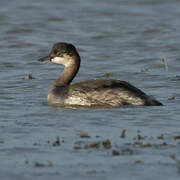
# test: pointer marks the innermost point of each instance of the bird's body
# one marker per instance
(91, 93)
(99, 93)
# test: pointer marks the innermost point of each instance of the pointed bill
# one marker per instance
(47, 58)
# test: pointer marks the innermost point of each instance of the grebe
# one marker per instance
(90, 93)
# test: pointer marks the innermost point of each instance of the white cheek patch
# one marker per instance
(60, 60)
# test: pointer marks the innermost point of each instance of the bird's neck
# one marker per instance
(68, 74)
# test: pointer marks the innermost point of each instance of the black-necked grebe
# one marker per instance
(109, 92)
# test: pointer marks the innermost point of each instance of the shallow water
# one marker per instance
(128, 39)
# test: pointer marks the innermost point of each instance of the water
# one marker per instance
(123, 38)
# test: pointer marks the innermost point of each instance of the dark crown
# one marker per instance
(61, 48)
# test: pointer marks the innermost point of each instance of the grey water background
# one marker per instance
(123, 38)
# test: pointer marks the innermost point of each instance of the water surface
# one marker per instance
(128, 39)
